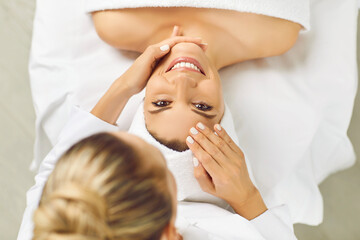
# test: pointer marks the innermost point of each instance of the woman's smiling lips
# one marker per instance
(187, 60)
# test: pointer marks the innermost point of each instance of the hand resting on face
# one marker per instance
(220, 169)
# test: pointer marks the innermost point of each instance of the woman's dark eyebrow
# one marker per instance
(159, 110)
(209, 116)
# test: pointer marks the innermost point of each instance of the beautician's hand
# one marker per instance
(220, 169)
(135, 78)
(138, 74)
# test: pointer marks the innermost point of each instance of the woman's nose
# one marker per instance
(185, 82)
(184, 86)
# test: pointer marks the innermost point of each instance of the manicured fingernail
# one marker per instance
(196, 162)
(205, 44)
(194, 131)
(201, 126)
(190, 140)
(216, 133)
(164, 47)
(218, 127)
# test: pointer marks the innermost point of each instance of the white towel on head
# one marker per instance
(180, 163)
(293, 10)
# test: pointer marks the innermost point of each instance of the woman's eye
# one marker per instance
(202, 106)
(161, 103)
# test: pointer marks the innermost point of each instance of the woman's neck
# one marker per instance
(220, 49)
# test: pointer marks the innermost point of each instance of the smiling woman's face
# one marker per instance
(177, 99)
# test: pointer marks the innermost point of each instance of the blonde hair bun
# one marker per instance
(72, 212)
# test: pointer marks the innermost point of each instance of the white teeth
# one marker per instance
(186, 64)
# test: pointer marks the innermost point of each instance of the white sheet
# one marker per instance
(291, 112)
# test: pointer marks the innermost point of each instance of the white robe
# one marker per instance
(195, 221)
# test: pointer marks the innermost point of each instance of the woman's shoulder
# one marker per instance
(261, 35)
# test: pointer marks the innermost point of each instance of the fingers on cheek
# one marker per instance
(205, 130)
(207, 145)
(226, 138)
(220, 131)
(192, 144)
(196, 143)
(196, 149)
(207, 135)
(220, 143)
(199, 137)
(223, 135)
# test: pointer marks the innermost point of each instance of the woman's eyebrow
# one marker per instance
(159, 110)
(209, 116)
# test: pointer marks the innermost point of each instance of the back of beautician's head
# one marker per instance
(99, 190)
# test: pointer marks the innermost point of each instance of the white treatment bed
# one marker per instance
(291, 112)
